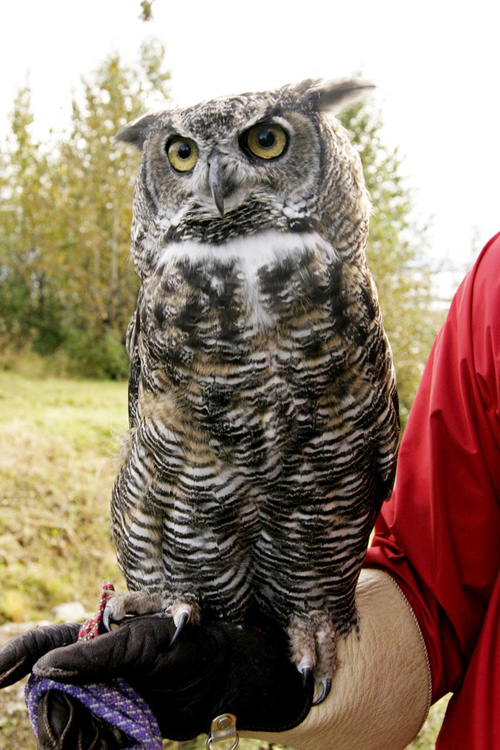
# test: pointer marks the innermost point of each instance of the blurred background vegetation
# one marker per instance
(67, 291)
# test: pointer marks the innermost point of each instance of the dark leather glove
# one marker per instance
(210, 670)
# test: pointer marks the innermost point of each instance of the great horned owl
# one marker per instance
(262, 400)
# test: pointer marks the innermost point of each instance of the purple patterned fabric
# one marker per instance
(115, 703)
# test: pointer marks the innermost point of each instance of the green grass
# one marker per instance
(58, 441)
(57, 444)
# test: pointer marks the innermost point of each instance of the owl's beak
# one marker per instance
(216, 182)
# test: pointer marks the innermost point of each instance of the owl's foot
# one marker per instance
(133, 603)
(313, 642)
(129, 604)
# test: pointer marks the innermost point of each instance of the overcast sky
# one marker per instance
(436, 65)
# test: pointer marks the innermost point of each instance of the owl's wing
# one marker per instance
(386, 476)
(133, 331)
(380, 374)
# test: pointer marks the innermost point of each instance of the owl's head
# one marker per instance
(243, 164)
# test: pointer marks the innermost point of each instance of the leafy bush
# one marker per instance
(94, 356)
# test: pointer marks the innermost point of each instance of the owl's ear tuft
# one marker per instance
(334, 96)
(136, 131)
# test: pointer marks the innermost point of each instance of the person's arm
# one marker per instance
(439, 536)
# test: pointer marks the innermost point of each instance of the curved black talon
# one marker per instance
(327, 686)
(182, 621)
(306, 673)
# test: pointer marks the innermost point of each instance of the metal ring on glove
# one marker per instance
(223, 727)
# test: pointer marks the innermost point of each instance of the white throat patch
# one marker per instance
(251, 254)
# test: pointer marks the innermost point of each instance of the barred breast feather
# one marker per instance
(263, 426)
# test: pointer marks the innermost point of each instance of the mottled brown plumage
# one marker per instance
(263, 408)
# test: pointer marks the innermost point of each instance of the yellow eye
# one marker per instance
(182, 153)
(266, 140)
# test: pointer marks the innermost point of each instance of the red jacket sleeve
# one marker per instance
(439, 535)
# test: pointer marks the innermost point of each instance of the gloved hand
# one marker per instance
(209, 670)
(63, 723)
